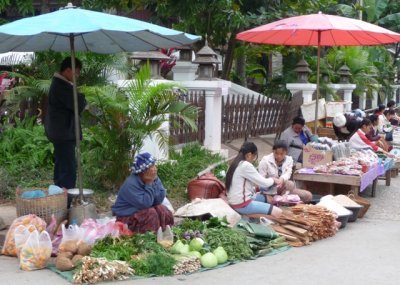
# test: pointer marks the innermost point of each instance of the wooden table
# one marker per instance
(357, 183)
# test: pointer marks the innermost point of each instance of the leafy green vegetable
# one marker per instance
(121, 248)
(159, 264)
(142, 252)
(233, 241)
(216, 222)
(187, 226)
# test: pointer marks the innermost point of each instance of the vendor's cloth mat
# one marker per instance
(68, 275)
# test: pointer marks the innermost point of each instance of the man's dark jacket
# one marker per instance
(59, 121)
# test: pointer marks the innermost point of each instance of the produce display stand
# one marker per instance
(357, 183)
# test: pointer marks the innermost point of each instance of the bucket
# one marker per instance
(74, 193)
(78, 213)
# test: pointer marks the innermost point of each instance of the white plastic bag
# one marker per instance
(73, 232)
(21, 235)
(168, 204)
(36, 251)
(165, 238)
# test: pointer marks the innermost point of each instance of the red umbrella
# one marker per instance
(319, 30)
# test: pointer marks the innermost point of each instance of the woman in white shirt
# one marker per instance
(241, 179)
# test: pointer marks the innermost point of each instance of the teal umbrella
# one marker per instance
(74, 29)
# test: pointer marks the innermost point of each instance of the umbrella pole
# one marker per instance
(76, 114)
(317, 97)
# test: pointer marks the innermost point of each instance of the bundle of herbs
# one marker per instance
(142, 252)
(232, 240)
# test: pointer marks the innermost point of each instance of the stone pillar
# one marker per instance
(374, 99)
(184, 71)
(335, 88)
(395, 88)
(347, 94)
(362, 101)
(306, 89)
(214, 91)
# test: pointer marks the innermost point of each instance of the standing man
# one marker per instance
(60, 124)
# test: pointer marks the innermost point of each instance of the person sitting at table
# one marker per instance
(384, 125)
(279, 165)
(359, 139)
(374, 135)
(379, 110)
(296, 137)
(345, 125)
(391, 105)
(140, 199)
(242, 178)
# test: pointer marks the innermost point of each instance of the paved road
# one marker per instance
(365, 252)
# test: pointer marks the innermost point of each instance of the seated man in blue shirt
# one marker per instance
(140, 198)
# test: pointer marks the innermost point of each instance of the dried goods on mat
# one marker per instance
(186, 264)
(95, 270)
(303, 224)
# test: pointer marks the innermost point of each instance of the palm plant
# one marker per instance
(122, 118)
(361, 67)
(152, 105)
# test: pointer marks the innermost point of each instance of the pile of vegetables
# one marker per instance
(71, 253)
(197, 244)
(212, 241)
(142, 252)
(232, 240)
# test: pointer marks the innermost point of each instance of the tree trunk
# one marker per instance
(229, 57)
(241, 69)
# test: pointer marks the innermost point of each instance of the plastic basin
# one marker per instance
(355, 211)
(343, 220)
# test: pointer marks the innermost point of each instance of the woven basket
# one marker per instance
(361, 201)
(43, 207)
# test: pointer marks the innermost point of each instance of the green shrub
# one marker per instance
(26, 158)
(176, 175)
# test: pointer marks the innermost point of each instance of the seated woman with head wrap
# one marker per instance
(140, 198)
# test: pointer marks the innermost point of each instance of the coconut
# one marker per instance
(69, 246)
(76, 259)
(66, 254)
(84, 249)
(64, 264)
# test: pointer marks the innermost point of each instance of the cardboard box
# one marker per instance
(313, 157)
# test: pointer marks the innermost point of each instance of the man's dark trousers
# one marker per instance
(64, 164)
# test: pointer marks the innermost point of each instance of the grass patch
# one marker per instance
(176, 175)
